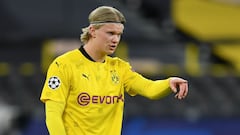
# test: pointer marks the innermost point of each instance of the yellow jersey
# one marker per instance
(93, 92)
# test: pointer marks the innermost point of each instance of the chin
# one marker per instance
(112, 51)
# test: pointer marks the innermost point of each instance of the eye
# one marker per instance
(114, 34)
(120, 34)
(110, 33)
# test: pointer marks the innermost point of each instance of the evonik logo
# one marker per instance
(84, 99)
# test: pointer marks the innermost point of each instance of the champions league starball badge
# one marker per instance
(54, 82)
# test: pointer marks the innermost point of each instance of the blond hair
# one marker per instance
(99, 16)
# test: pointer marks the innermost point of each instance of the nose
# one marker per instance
(116, 38)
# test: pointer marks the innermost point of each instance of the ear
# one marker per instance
(92, 31)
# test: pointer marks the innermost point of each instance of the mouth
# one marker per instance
(113, 47)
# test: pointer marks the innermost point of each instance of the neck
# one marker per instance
(94, 54)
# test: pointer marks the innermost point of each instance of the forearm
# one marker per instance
(54, 118)
(157, 89)
(150, 89)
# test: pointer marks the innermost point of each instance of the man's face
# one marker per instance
(107, 37)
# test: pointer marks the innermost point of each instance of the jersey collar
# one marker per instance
(81, 49)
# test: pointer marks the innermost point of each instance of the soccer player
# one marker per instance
(84, 88)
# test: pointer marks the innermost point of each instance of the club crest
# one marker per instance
(115, 77)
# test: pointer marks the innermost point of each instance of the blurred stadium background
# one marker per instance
(195, 39)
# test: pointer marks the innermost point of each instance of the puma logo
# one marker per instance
(85, 76)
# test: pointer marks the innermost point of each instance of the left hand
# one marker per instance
(179, 86)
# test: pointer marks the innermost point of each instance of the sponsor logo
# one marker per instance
(84, 99)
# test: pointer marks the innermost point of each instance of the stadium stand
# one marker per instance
(150, 37)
